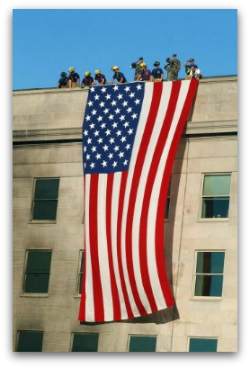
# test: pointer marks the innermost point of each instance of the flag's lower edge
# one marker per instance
(162, 316)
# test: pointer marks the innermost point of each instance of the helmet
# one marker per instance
(156, 63)
(142, 65)
(63, 74)
(97, 71)
(115, 67)
(174, 55)
(71, 69)
(87, 74)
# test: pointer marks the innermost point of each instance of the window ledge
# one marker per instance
(42, 222)
(34, 295)
(206, 298)
(215, 219)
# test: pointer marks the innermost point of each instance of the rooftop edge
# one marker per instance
(53, 89)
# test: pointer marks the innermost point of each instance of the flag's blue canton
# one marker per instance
(109, 127)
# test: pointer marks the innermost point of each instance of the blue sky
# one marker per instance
(46, 42)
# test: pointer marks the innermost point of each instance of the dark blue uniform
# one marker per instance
(157, 73)
(100, 78)
(87, 81)
(74, 76)
(63, 82)
(119, 77)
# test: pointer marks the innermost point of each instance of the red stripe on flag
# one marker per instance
(132, 199)
(93, 225)
(149, 185)
(115, 295)
(159, 234)
(124, 177)
(82, 311)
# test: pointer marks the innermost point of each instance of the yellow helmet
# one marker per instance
(87, 74)
(115, 67)
(71, 69)
(97, 71)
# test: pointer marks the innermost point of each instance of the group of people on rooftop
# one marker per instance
(142, 73)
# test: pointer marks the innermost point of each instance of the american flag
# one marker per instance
(130, 136)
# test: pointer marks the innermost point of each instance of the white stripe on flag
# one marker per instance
(114, 215)
(103, 249)
(89, 282)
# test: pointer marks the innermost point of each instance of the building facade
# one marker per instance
(48, 222)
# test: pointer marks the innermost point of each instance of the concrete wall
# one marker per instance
(209, 146)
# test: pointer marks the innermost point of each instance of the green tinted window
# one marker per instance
(80, 275)
(142, 343)
(215, 207)
(85, 342)
(209, 273)
(46, 188)
(208, 285)
(216, 185)
(45, 199)
(29, 341)
(37, 271)
(202, 345)
(215, 197)
(210, 262)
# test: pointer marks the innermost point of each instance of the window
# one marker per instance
(45, 199)
(85, 342)
(202, 345)
(209, 273)
(29, 341)
(215, 196)
(36, 279)
(167, 209)
(80, 271)
(142, 343)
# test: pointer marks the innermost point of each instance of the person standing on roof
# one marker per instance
(118, 76)
(99, 77)
(63, 81)
(137, 66)
(145, 73)
(172, 67)
(157, 72)
(73, 78)
(88, 80)
(190, 66)
(192, 70)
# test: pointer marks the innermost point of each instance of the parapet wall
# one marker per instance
(56, 113)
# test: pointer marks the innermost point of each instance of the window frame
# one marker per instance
(44, 221)
(26, 330)
(83, 333)
(81, 254)
(35, 294)
(207, 297)
(202, 338)
(214, 219)
(142, 335)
